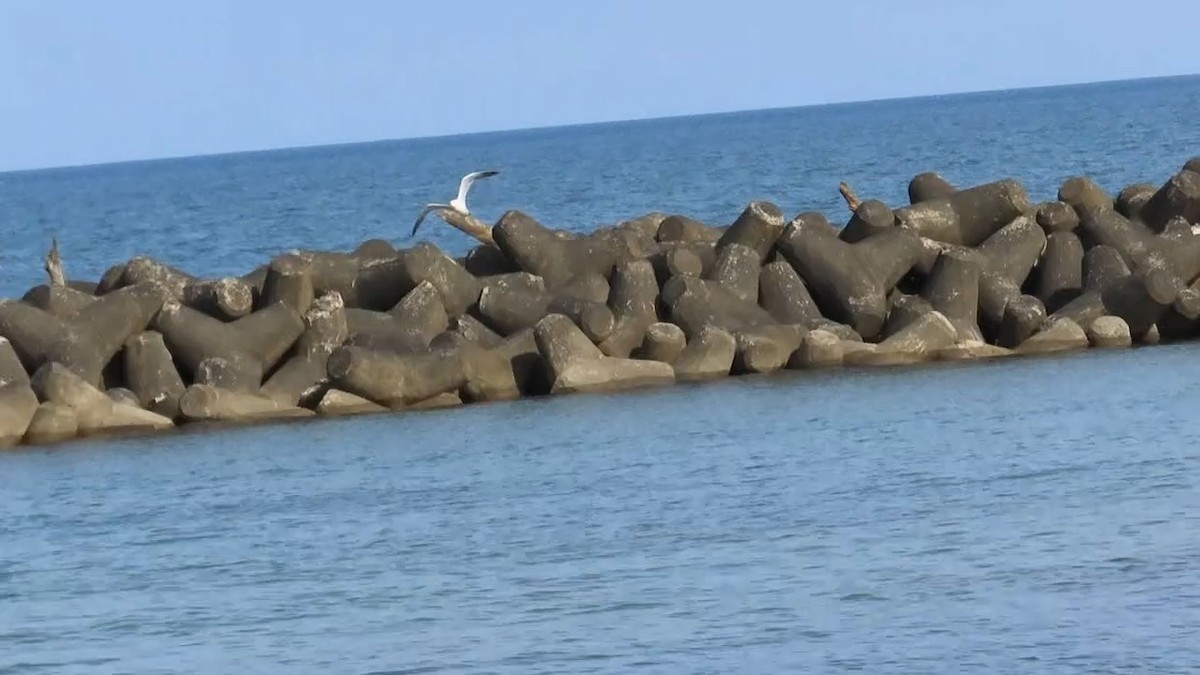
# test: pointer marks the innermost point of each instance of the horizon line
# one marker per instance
(575, 125)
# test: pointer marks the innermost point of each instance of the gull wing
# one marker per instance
(468, 180)
(429, 208)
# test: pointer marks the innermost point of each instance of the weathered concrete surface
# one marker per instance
(205, 403)
(663, 342)
(818, 349)
(919, 341)
(1109, 332)
(706, 356)
(338, 403)
(95, 411)
(576, 365)
(52, 423)
(18, 403)
(1056, 336)
(966, 217)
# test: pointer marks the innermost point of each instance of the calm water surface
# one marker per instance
(1038, 515)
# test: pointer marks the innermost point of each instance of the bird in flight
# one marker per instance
(459, 203)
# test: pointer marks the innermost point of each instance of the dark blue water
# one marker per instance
(1039, 515)
(228, 214)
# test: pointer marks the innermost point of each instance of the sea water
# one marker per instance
(1039, 515)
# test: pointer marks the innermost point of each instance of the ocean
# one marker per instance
(1039, 515)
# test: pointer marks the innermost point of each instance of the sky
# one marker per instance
(85, 82)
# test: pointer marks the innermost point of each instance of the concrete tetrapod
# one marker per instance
(151, 374)
(953, 290)
(512, 302)
(1056, 335)
(206, 403)
(1083, 194)
(86, 342)
(919, 341)
(1140, 297)
(63, 302)
(696, 304)
(904, 309)
(18, 403)
(411, 325)
(425, 262)
(537, 251)
(226, 298)
(766, 349)
(52, 423)
(576, 365)
(707, 355)
(549, 310)
(928, 186)
(633, 299)
(338, 403)
(966, 217)
(870, 218)
(1109, 332)
(96, 413)
(254, 343)
(663, 342)
(289, 280)
(395, 380)
(783, 294)
(680, 228)
(303, 377)
(1179, 196)
(850, 282)
(1133, 198)
(1059, 273)
(674, 261)
(738, 268)
(1057, 217)
(757, 228)
(818, 349)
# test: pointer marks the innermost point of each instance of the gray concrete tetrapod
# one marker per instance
(783, 294)
(1058, 276)
(756, 228)
(1057, 217)
(634, 301)
(513, 302)
(303, 378)
(537, 251)
(289, 280)
(684, 229)
(663, 342)
(695, 304)
(394, 380)
(850, 282)
(86, 342)
(1178, 197)
(737, 268)
(870, 218)
(953, 290)
(575, 364)
(968, 216)
(1133, 198)
(928, 186)
(18, 403)
(151, 374)
(706, 356)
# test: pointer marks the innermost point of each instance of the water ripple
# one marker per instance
(1036, 515)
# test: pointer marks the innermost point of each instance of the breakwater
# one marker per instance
(958, 273)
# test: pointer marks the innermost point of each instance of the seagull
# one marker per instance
(459, 203)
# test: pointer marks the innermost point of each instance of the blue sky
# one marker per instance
(85, 82)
